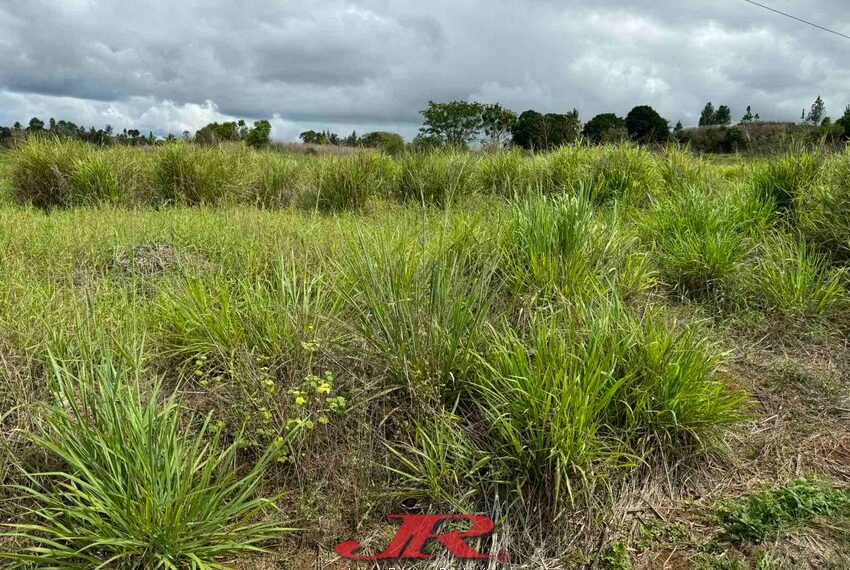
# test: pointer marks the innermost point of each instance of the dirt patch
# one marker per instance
(151, 260)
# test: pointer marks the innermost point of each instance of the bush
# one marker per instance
(567, 169)
(435, 179)
(137, 488)
(589, 386)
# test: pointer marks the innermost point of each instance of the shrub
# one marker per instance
(347, 183)
(43, 169)
(794, 281)
(202, 176)
(824, 210)
(435, 178)
(137, 488)
(95, 181)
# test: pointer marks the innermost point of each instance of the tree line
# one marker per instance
(461, 124)
(258, 135)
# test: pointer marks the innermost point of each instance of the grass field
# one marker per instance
(630, 359)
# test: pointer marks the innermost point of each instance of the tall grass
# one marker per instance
(136, 486)
(783, 179)
(202, 176)
(347, 183)
(824, 209)
(435, 179)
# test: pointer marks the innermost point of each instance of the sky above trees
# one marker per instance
(374, 64)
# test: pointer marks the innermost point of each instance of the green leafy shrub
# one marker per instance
(137, 487)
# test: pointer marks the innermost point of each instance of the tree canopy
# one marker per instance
(645, 125)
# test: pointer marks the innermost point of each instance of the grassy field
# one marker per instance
(629, 359)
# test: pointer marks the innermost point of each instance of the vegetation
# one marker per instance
(577, 342)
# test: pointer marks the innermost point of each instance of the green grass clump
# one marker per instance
(347, 183)
(508, 174)
(700, 242)
(627, 172)
(43, 171)
(278, 181)
(564, 170)
(201, 176)
(417, 312)
(794, 281)
(592, 388)
(137, 487)
(561, 245)
(435, 179)
(782, 180)
(761, 515)
(824, 210)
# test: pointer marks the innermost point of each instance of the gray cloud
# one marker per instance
(365, 64)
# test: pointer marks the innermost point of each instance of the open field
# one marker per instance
(630, 359)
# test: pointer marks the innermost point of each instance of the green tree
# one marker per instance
(313, 137)
(707, 116)
(390, 143)
(259, 135)
(748, 116)
(723, 116)
(535, 131)
(816, 112)
(497, 123)
(35, 125)
(679, 127)
(646, 126)
(600, 128)
(456, 123)
(844, 122)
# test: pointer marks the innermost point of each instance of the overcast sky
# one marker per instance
(169, 66)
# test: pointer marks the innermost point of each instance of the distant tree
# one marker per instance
(601, 127)
(534, 131)
(678, 128)
(456, 123)
(5, 135)
(216, 133)
(313, 137)
(390, 143)
(844, 122)
(707, 116)
(723, 116)
(35, 125)
(497, 123)
(748, 116)
(17, 126)
(425, 143)
(351, 140)
(817, 112)
(259, 135)
(646, 126)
